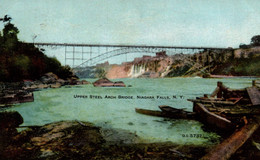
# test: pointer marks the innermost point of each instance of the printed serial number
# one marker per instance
(193, 135)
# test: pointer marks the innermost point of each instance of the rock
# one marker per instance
(61, 81)
(85, 82)
(119, 136)
(81, 140)
(10, 119)
(79, 83)
(49, 78)
(104, 82)
(43, 86)
(63, 140)
(56, 85)
(73, 81)
(8, 123)
(18, 96)
(28, 83)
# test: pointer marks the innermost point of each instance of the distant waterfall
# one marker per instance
(137, 70)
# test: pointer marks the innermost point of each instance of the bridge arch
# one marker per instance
(77, 52)
(126, 50)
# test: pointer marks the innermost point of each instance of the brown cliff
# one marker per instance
(229, 62)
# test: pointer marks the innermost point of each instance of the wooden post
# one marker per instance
(253, 83)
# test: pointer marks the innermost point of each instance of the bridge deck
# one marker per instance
(123, 45)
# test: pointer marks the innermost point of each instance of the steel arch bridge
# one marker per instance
(83, 55)
(121, 51)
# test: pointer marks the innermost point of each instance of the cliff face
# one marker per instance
(162, 65)
(239, 62)
(118, 71)
(146, 67)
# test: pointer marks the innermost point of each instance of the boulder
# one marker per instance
(28, 83)
(56, 85)
(61, 81)
(49, 78)
(10, 119)
(104, 82)
(85, 82)
(73, 81)
(59, 140)
(43, 86)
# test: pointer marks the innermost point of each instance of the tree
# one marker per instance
(10, 31)
(6, 19)
(244, 46)
(9, 38)
(100, 73)
(255, 41)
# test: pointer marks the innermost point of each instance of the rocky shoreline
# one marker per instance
(20, 92)
(82, 140)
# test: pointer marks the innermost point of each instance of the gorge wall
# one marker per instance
(238, 62)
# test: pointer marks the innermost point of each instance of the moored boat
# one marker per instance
(168, 112)
(210, 118)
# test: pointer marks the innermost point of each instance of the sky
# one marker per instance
(211, 23)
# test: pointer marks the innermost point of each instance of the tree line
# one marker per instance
(20, 61)
(255, 41)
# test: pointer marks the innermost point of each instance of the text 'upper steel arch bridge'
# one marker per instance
(81, 55)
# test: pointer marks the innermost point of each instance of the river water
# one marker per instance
(85, 103)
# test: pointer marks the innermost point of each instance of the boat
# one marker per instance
(227, 111)
(169, 109)
(235, 111)
(178, 113)
(227, 108)
(167, 112)
(239, 110)
(212, 119)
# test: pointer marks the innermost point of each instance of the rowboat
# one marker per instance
(167, 112)
(212, 119)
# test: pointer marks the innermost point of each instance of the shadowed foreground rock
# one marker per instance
(82, 140)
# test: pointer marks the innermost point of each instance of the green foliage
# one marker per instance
(100, 73)
(178, 70)
(248, 67)
(64, 72)
(244, 46)
(255, 40)
(52, 64)
(19, 67)
(239, 66)
(20, 61)
(10, 39)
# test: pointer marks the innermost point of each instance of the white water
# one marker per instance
(136, 71)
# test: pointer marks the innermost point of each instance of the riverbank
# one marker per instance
(83, 140)
(228, 76)
(21, 92)
(55, 105)
(78, 139)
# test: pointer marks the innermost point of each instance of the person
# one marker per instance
(221, 91)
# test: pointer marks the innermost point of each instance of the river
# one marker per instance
(104, 107)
